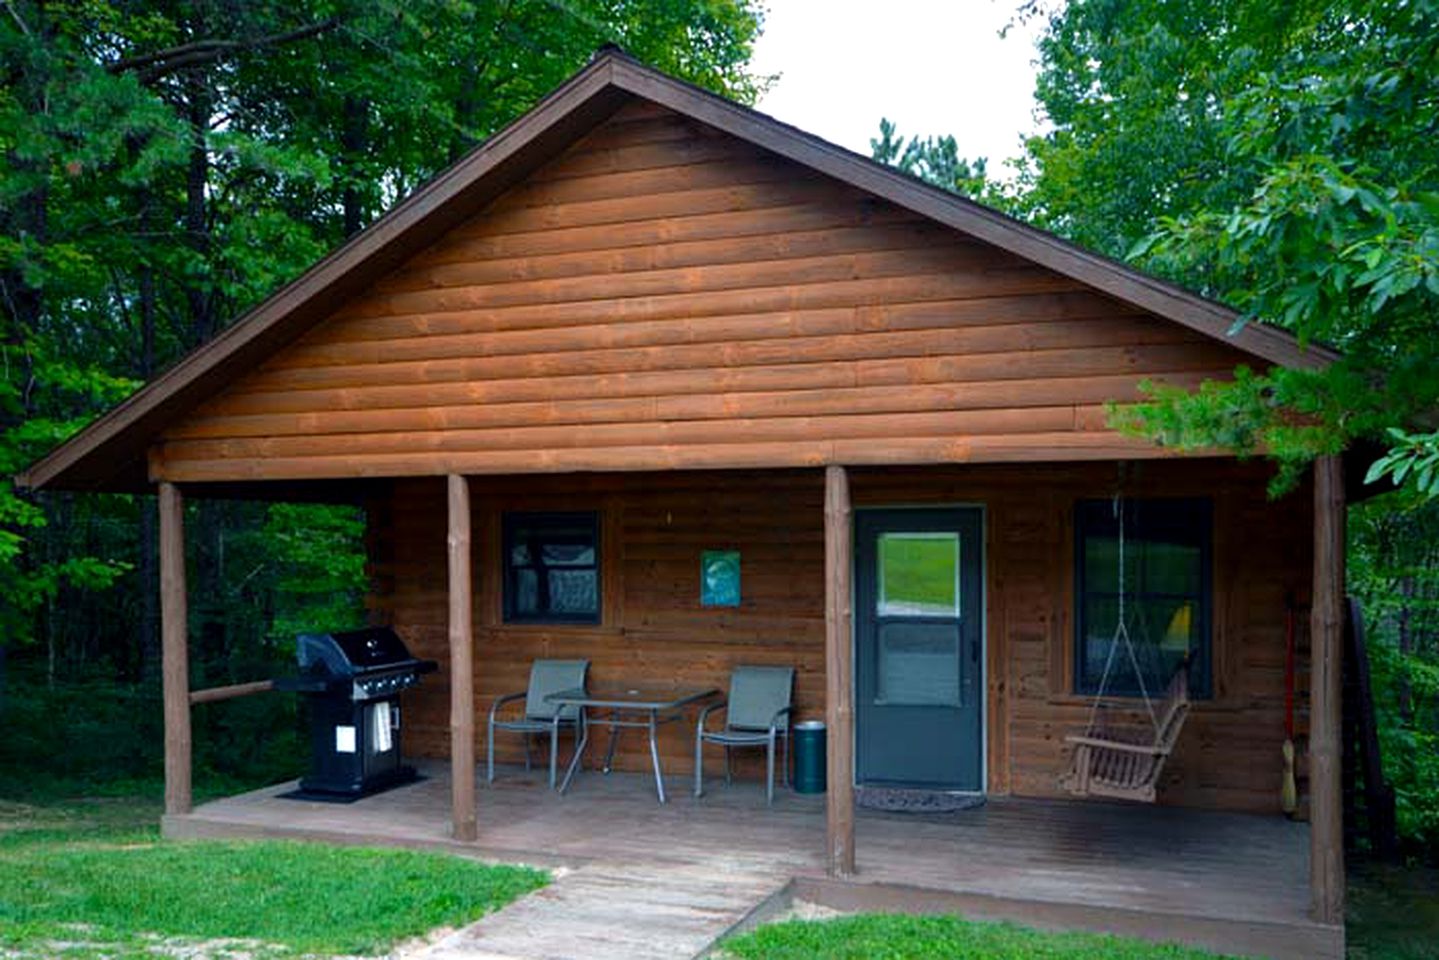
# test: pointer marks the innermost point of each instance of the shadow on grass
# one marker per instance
(1393, 912)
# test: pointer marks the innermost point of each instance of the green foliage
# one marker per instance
(321, 569)
(1394, 571)
(87, 734)
(1414, 456)
(1280, 158)
(935, 160)
(1392, 912)
(28, 583)
(903, 937)
(164, 166)
(114, 894)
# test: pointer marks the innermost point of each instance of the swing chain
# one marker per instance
(1121, 632)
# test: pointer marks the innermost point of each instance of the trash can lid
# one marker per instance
(810, 725)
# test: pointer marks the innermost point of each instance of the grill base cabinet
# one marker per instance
(351, 683)
(347, 756)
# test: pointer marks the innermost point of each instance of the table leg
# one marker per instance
(610, 750)
(655, 754)
(579, 752)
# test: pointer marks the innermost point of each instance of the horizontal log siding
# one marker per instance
(654, 630)
(664, 296)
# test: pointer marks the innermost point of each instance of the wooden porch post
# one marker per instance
(462, 676)
(839, 675)
(174, 650)
(1326, 625)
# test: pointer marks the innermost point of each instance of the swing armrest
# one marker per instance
(1146, 749)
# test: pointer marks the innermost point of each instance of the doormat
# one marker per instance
(898, 800)
(404, 778)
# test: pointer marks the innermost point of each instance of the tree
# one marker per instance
(934, 160)
(166, 164)
(1278, 157)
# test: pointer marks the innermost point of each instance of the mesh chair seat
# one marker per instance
(540, 714)
(738, 738)
(525, 725)
(757, 714)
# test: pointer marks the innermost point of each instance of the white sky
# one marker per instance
(931, 66)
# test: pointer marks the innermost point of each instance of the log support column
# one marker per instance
(174, 650)
(462, 675)
(1326, 626)
(839, 672)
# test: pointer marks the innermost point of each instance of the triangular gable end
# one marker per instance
(743, 150)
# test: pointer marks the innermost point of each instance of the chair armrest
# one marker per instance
(1148, 750)
(704, 714)
(774, 723)
(501, 701)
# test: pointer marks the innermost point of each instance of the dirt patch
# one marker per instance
(807, 910)
(81, 940)
(23, 816)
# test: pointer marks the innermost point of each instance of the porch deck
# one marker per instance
(1229, 881)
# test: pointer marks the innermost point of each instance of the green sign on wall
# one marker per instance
(719, 578)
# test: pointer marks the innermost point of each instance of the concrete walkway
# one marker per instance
(613, 911)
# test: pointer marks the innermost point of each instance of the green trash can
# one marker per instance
(809, 757)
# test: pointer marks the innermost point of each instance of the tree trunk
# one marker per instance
(353, 140)
(1406, 646)
(148, 570)
(198, 293)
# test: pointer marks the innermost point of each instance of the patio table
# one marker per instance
(654, 706)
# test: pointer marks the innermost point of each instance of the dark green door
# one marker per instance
(918, 671)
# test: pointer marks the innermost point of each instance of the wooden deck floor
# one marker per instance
(1230, 881)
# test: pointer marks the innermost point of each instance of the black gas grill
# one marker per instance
(352, 682)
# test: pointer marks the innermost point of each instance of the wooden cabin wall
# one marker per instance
(653, 630)
(656, 632)
(663, 295)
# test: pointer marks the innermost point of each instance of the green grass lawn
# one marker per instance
(90, 880)
(1393, 915)
(903, 937)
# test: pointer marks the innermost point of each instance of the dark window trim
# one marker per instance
(1188, 514)
(509, 523)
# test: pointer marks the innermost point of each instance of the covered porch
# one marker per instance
(1229, 881)
(1213, 864)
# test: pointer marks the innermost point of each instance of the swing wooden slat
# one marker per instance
(1125, 763)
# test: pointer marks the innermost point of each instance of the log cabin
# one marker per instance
(667, 327)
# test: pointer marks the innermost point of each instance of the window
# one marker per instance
(1166, 593)
(552, 568)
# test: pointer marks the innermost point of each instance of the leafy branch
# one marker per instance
(149, 67)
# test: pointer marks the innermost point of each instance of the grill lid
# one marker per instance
(352, 653)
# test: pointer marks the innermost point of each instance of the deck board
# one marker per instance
(1213, 868)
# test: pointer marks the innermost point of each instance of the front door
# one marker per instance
(918, 621)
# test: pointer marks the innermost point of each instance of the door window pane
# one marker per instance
(919, 664)
(918, 575)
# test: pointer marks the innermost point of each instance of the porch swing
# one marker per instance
(1121, 762)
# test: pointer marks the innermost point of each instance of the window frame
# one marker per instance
(1192, 515)
(510, 523)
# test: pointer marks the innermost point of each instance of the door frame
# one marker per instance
(983, 510)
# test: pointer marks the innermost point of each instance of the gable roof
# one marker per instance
(110, 453)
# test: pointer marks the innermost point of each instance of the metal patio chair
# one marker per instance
(539, 715)
(757, 713)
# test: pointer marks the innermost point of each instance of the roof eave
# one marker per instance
(109, 453)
